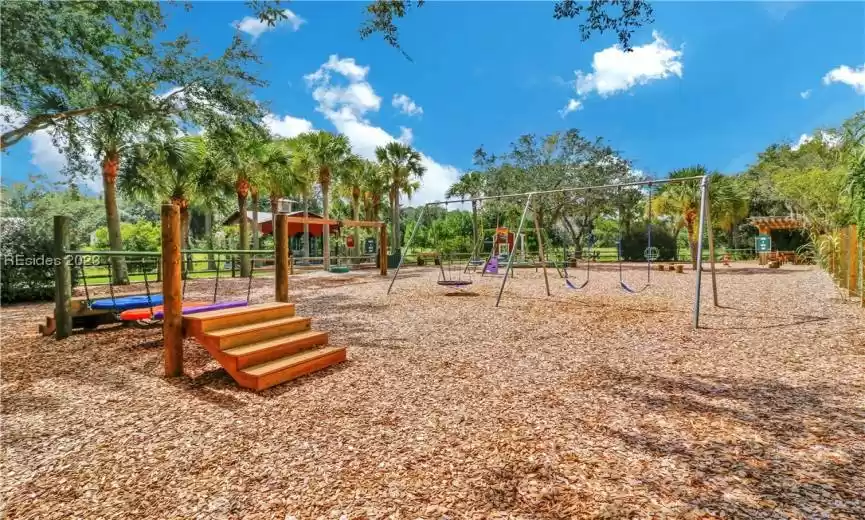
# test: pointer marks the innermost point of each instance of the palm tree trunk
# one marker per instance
(208, 231)
(184, 235)
(394, 216)
(274, 206)
(306, 228)
(325, 195)
(110, 164)
(355, 214)
(474, 225)
(692, 243)
(255, 230)
(243, 226)
(376, 207)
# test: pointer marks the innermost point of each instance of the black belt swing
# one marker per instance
(648, 253)
(568, 282)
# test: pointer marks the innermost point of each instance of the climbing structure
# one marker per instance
(262, 345)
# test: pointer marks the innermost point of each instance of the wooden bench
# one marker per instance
(423, 257)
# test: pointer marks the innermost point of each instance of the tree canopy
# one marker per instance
(622, 17)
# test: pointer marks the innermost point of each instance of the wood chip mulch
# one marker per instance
(586, 404)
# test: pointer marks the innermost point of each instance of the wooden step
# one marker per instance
(290, 367)
(223, 339)
(199, 323)
(275, 348)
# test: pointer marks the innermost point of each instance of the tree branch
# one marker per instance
(43, 121)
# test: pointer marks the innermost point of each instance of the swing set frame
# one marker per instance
(702, 229)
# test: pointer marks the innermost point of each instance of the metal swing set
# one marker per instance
(704, 228)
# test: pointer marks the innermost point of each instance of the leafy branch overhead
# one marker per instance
(596, 16)
(68, 53)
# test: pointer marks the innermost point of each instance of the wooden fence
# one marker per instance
(847, 261)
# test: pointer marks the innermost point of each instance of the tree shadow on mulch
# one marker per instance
(780, 321)
(799, 451)
(720, 270)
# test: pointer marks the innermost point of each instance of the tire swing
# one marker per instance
(453, 278)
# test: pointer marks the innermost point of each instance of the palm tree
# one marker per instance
(473, 185)
(240, 149)
(327, 155)
(283, 176)
(729, 204)
(181, 171)
(681, 201)
(351, 184)
(852, 150)
(111, 133)
(403, 167)
(375, 188)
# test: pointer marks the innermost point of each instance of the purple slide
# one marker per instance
(492, 266)
(204, 308)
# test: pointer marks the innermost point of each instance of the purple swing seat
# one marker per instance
(204, 308)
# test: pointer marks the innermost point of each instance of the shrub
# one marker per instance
(140, 236)
(634, 243)
(27, 270)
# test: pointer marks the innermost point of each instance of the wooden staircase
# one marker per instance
(262, 345)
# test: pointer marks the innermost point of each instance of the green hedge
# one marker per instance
(635, 242)
(27, 270)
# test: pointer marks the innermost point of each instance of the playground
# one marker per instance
(593, 404)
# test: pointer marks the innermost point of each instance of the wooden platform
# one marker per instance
(82, 316)
(262, 345)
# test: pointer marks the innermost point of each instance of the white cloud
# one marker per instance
(287, 126)
(573, 105)
(44, 155)
(254, 27)
(805, 94)
(829, 138)
(847, 75)
(406, 136)
(406, 105)
(346, 67)
(347, 106)
(614, 70)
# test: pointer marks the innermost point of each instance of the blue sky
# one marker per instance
(708, 83)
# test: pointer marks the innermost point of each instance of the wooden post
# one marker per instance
(282, 259)
(62, 279)
(172, 324)
(762, 258)
(382, 249)
(852, 261)
(540, 252)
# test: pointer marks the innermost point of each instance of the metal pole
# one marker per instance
(574, 188)
(541, 255)
(511, 253)
(407, 246)
(711, 244)
(699, 263)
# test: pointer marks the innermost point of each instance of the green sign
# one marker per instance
(763, 243)
(369, 246)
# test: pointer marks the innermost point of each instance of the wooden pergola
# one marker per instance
(765, 225)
